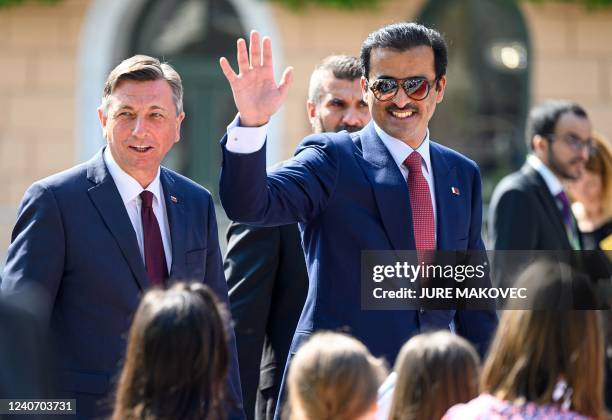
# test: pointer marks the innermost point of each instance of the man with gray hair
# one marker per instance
(90, 240)
(265, 266)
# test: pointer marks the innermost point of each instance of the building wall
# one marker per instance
(39, 45)
(572, 58)
(572, 55)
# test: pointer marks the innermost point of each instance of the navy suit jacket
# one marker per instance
(74, 262)
(348, 195)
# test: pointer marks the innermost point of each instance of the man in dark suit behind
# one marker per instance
(530, 208)
(386, 187)
(265, 267)
(88, 241)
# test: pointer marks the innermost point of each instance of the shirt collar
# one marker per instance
(128, 187)
(552, 182)
(400, 150)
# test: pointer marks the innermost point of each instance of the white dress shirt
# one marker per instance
(552, 182)
(400, 152)
(251, 139)
(130, 190)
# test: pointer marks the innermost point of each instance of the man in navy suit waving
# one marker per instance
(386, 187)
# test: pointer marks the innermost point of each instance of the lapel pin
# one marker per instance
(455, 190)
(173, 199)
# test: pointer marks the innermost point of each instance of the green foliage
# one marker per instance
(336, 4)
(361, 4)
(345, 4)
(7, 3)
(589, 4)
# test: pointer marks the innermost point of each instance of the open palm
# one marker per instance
(256, 93)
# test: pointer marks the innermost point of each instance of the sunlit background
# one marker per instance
(504, 57)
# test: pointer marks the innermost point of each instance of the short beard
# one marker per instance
(349, 128)
(559, 168)
(319, 127)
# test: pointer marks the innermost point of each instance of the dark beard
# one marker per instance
(349, 128)
(558, 168)
(320, 127)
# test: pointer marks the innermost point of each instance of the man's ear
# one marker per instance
(439, 88)
(311, 110)
(363, 82)
(179, 120)
(103, 119)
(540, 144)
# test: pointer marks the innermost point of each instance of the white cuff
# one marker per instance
(245, 139)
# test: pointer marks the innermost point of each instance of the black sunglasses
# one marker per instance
(416, 88)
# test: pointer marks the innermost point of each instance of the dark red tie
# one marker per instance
(155, 258)
(420, 203)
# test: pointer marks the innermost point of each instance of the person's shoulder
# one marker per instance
(479, 406)
(70, 180)
(453, 157)
(516, 182)
(185, 185)
(341, 139)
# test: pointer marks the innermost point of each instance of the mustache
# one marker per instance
(408, 107)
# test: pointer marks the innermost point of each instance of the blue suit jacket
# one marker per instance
(74, 262)
(349, 195)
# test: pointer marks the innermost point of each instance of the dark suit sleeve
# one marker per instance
(477, 326)
(513, 227)
(35, 261)
(215, 279)
(251, 265)
(296, 192)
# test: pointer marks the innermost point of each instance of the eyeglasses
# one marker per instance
(574, 142)
(416, 88)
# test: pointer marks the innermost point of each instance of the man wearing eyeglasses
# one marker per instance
(530, 209)
(386, 187)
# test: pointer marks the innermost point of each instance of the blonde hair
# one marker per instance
(333, 377)
(600, 163)
(534, 349)
(434, 372)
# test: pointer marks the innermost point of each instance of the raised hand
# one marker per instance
(256, 94)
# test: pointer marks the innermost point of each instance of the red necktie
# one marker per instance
(155, 258)
(420, 203)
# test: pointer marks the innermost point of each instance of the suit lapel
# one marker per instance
(108, 202)
(175, 208)
(548, 201)
(445, 178)
(389, 187)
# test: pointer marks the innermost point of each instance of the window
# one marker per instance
(191, 35)
(487, 93)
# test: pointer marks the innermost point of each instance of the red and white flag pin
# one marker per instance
(173, 199)
(455, 190)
